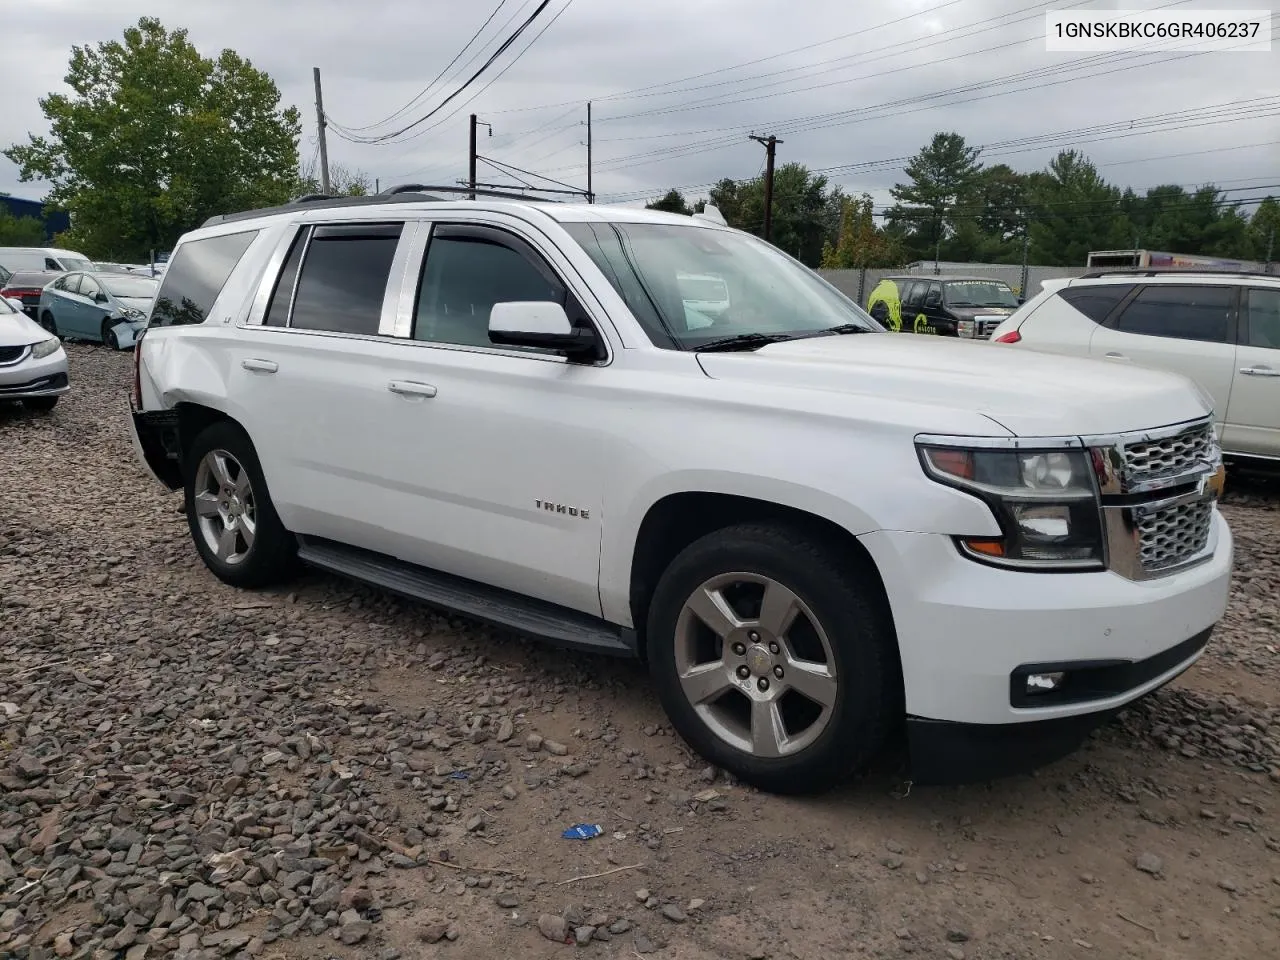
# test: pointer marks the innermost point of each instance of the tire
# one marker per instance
(40, 404)
(233, 524)
(50, 324)
(836, 619)
(109, 337)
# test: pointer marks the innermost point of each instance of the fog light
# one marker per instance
(1044, 682)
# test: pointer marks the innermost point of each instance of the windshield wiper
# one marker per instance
(847, 328)
(743, 341)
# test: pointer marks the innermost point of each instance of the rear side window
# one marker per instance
(1262, 315)
(1096, 302)
(344, 278)
(1181, 312)
(196, 276)
(277, 314)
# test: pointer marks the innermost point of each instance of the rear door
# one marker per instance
(913, 316)
(1253, 417)
(1185, 328)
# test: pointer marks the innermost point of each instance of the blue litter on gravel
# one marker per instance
(583, 831)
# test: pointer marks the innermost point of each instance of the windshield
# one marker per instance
(141, 288)
(689, 286)
(980, 293)
(77, 263)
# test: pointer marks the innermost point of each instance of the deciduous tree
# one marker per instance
(154, 137)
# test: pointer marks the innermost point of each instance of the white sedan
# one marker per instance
(33, 365)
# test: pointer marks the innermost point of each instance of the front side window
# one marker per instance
(1262, 318)
(1181, 312)
(343, 281)
(467, 271)
(196, 276)
(89, 287)
(980, 293)
(915, 295)
(758, 291)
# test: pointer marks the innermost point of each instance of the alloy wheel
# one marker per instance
(224, 506)
(755, 664)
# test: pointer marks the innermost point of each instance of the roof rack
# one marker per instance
(402, 193)
(1164, 271)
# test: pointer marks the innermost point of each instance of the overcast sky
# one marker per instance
(377, 55)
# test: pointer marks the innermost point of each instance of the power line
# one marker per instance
(427, 89)
(485, 66)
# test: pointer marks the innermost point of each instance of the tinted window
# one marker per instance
(463, 278)
(277, 314)
(344, 278)
(196, 277)
(1096, 302)
(1185, 313)
(1262, 315)
(933, 296)
(51, 264)
(914, 296)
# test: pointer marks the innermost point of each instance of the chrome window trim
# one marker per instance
(270, 273)
(998, 443)
(407, 300)
(393, 293)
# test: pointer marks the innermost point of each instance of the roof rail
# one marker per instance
(1165, 271)
(422, 187)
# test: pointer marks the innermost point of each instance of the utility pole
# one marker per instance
(471, 161)
(1026, 247)
(377, 185)
(591, 197)
(1271, 241)
(324, 147)
(770, 145)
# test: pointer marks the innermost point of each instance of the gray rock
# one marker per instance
(620, 926)
(554, 928)
(507, 901)
(674, 913)
(1149, 863)
(583, 935)
(643, 945)
(354, 931)
(555, 748)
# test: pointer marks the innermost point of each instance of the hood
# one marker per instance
(17, 330)
(136, 303)
(1030, 394)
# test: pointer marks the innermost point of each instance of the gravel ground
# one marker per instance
(326, 771)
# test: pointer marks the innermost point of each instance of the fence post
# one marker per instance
(862, 285)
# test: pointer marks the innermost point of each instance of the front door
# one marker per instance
(1186, 328)
(493, 457)
(1253, 417)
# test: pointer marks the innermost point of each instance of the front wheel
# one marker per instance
(109, 335)
(47, 321)
(234, 526)
(773, 659)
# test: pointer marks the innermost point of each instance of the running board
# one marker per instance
(503, 608)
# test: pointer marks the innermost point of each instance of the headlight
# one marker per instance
(1045, 501)
(132, 314)
(45, 348)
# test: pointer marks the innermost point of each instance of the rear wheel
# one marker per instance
(40, 404)
(47, 321)
(773, 658)
(233, 524)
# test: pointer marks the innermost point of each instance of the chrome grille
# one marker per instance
(1146, 460)
(11, 355)
(1169, 538)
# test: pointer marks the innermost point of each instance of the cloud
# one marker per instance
(651, 133)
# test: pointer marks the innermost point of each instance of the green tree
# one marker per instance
(343, 181)
(929, 207)
(20, 231)
(1073, 211)
(806, 210)
(860, 243)
(156, 137)
(672, 202)
(1263, 235)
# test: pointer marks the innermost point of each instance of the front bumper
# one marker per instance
(969, 633)
(45, 377)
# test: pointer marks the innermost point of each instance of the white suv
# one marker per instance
(1222, 330)
(514, 410)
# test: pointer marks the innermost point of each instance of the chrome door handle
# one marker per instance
(411, 388)
(260, 366)
(1260, 372)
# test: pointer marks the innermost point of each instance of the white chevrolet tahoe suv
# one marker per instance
(811, 530)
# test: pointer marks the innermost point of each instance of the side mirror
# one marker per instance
(99, 297)
(1021, 301)
(532, 323)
